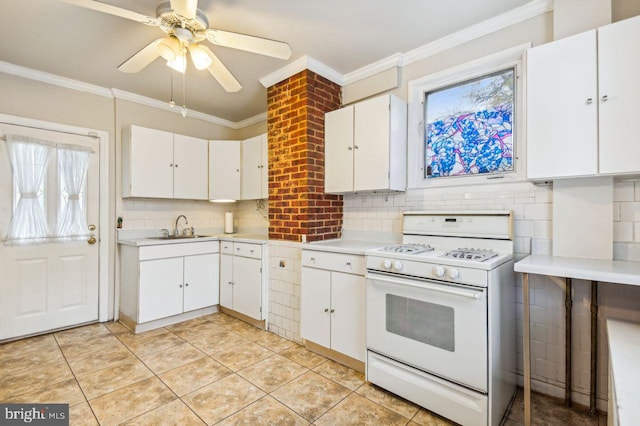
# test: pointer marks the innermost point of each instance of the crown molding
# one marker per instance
(258, 118)
(154, 103)
(497, 23)
(56, 80)
(384, 64)
(491, 25)
(303, 63)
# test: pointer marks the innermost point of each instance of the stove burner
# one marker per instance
(476, 255)
(408, 248)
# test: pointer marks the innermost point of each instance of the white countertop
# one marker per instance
(137, 240)
(611, 271)
(344, 246)
(624, 355)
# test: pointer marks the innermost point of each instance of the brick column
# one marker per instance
(298, 205)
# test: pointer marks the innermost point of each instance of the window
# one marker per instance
(466, 122)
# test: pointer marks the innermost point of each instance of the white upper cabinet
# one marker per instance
(619, 85)
(582, 98)
(562, 108)
(338, 150)
(224, 170)
(366, 146)
(157, 164)
(147, 163)
(255, 168)
(191, 168)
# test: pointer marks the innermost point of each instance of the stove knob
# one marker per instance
(439, 271)
(454, 274)
(386, 264)
(397, 265)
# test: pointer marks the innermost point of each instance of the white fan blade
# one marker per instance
(185, 8)
(113, 10)
(221, 73)
(141, 59)
(262, 46)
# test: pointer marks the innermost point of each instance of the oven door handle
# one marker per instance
(435, 287)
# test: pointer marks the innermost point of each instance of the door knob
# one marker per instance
(92, 240)
(92, 227)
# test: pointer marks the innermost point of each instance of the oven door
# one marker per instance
(437, 327)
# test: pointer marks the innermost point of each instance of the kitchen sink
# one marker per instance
(178, 237)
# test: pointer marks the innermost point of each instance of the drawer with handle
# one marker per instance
(349, 263)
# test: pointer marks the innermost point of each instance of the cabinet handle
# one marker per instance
(176, 165)
(589, 101)
(186, 284)
(313, 259)
(180, 286)
(171, 165)
(332, 311)
(350, 148)
(348, 263)
(605, 98)
(355, 147)
(326, 309)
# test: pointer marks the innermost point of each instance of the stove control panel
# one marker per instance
(458, 274)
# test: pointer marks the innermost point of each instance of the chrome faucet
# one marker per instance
(186, 222)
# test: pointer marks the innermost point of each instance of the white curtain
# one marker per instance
(28, 158)
(72, 171)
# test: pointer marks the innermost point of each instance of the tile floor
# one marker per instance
(214, 370)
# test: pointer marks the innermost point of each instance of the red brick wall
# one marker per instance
(295, 123)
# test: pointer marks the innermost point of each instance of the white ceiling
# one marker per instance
(345, 35)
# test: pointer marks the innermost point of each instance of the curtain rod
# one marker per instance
(89, 134)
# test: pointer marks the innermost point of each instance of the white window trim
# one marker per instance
(510, 58)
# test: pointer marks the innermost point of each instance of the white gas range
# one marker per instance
(441, 314)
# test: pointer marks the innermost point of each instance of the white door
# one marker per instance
(371, 144)
(226, 280)
(338, 150)
(161, 288)
(47, 286)
(562, 108)
(315, 305)
(247, 285)
(224, 170)
(251, 170)
(348, 315)
(201, 277)
(191, 168)
(619, 103)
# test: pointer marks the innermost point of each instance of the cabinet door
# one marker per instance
(150, 163)
(562, 108)
(160, 288)
(371, 144)
(201, 281)
(338, 150)
(619, 103)
(224, 170)
(226, 281)
(247, 286)
(251, 168)
(264, 166)
(191, 168)
(348, 327)
(315, 304)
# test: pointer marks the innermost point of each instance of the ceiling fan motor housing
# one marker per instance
(187, 30)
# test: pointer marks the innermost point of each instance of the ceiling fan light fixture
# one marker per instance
(168, 48)
(199, 56)
(179, 63)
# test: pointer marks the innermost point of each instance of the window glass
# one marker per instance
(469, 127)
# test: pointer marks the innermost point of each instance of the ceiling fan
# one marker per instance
(186, 26)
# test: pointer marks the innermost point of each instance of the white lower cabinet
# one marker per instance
(242, 282)
(163, 281)
(333, 302)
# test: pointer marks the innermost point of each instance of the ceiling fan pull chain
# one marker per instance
(184, 93)
(172, 103)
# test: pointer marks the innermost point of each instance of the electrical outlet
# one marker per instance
(282, 263)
